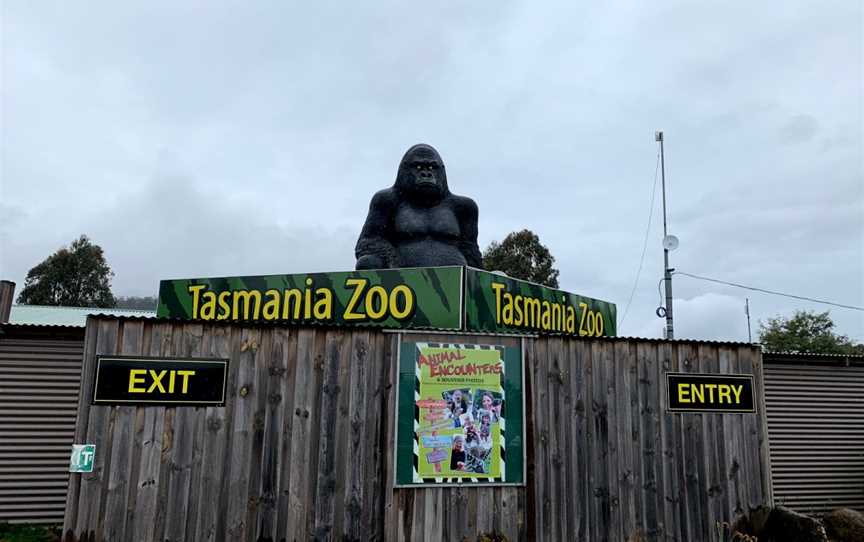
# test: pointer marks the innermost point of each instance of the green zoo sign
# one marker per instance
(441, 298)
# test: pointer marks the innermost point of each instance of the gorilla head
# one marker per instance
(421, 177)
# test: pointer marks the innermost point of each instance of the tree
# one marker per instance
(522, 256)
(805, 331)
(77, 276)
(146, 303)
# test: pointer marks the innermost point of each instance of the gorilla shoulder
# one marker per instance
(386, 199)
(464, 206)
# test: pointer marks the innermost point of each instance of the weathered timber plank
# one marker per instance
(186, 344)
(539, 367)
(210, 521)
(131, 336)
(613, 460)
(624, 439)
(379, 417)
(357, 454)
(199, 436)
(272, 446)
(260, 398)
(70, 517)
(98, 433)
(304, 392)
(244, 351)
(599, 442)
(554, 453)
(342, 439)
(669, 449)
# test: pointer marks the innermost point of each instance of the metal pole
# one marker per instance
(667, 272)
(747, 310)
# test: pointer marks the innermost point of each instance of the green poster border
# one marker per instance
(514, 416)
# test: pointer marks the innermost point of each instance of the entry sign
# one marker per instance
(160, 381)
(688, 392)
(82, 458)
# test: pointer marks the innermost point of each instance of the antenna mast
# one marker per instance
(667, 271)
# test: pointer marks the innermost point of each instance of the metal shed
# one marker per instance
(41, 350)
(815, 408)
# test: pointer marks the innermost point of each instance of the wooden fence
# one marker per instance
(303, 448)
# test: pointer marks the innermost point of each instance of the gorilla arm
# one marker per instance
(373, 250)
(467, 213)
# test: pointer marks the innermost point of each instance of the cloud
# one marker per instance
(799, 129)
(217, 140)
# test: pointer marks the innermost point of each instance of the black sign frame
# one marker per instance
(155, 361)
(734, 377)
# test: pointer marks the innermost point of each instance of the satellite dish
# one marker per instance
(670, 242)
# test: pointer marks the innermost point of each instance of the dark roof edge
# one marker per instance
(813, 358)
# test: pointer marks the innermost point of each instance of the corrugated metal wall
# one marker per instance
(39, 379)
(815, 408)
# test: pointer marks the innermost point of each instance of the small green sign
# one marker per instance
(421, 298)
(500, 304)
(82, 458)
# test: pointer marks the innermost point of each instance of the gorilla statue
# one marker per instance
(418, 222)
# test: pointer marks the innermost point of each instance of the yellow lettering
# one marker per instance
(195, 290)
(185, 375)
(532, 310)
(208, 309)
(379, 312)
(556, 317)
(224, 307)
(517, 306)
(171, 376)
(710, 392)
(507, 312)
(737, 391)
(546, 321)
(292, 296)
(697, 391)
(682, 393)
(271, 306)
(157, 381)
(359, 285)
(584, 309)
(324, 306)
(247, 297)
(497, 287)
(307, 305)
(407, 305)
(571, 320)
(133, 379)
(724, 391)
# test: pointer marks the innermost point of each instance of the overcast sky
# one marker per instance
(215, 138)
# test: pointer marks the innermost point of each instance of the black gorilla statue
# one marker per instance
(418, 222)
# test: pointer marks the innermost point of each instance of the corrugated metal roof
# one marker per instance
(42, 315)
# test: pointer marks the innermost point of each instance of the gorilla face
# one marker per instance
(421, 175)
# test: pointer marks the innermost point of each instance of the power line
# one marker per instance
(763, 290)
(645, 242)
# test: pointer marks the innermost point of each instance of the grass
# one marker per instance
(29, 533)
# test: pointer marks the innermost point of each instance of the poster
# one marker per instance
(460, 414)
